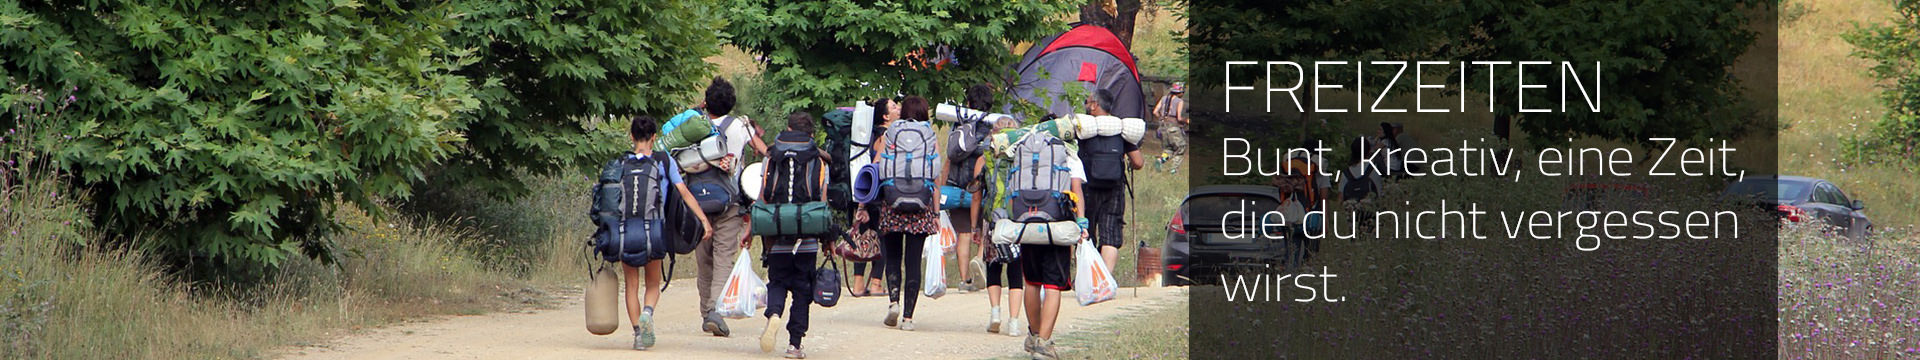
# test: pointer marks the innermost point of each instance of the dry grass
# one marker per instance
(1826, 97)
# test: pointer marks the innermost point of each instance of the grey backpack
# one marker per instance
(907, 167)
(1039, 179)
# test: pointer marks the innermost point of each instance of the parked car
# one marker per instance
(1798, 198)
(1198, 248)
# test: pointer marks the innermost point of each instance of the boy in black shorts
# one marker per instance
(1048, 269)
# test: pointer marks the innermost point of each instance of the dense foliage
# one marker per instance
(1895, 50)
(825, 54)
(227, 130)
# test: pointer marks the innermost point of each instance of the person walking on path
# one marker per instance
(730, 224)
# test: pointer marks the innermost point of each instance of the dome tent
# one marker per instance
(1085, 55)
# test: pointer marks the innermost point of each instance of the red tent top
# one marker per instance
(1094, 37)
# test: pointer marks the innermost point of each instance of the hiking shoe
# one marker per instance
(715, 325)
(993, 321)
(767, 336)
(893, 315)
(793, 352)
(643, 333)
(1016, 327)
(1043, 350)
(906, 324)
(979, 269)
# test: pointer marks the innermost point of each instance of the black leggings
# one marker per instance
(875, 272)
(1013, 275)
(903, 259)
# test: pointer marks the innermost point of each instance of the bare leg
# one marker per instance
(1111, 255)
(1014, 301)
(966, 249)
(633, 292)
(993, 298)
(654, 272)
(1033, 309)
(1049, 311)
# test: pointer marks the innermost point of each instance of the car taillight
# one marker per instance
(1178, 226)
(1174, 267)
(1792, 213)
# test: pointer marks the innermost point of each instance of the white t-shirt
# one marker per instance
(1075, 170)
(738, 134)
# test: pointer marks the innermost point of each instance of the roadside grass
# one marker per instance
(1156, 331)
(62, 300)
(1826, 97)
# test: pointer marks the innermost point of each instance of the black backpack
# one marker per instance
(1105, 159)
(1355, 188)
(715, 188)
(793, 170)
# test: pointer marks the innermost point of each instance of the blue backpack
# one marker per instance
(628, 211)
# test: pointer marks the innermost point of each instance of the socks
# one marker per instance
(646, 310)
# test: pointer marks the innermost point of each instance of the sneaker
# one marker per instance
(793, 352)
(979, 268)
(715, 325)
(1043, 350)
(906, 324)
(993, 321)
(965, 287)
(643, 334)
(1030, 343)
(767, 336)
(893, 315)
(1016, 327)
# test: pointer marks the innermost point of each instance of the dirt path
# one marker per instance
(951, 327)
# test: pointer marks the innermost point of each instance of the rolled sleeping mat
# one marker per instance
(954, 197)
(685, 133)
(696, 158)
(603, 301)
(866, 184)
(1133, 129)
(1058, 233)
(750, 179)
(808, 218)
(955, 113)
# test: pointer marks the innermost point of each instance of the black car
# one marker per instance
(1198, 247)
(1797, 198)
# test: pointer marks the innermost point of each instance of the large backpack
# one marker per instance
(965, 143)
(839, 145)
(793, 170)
(1105, 158)
(628, 206)
(907, 167)
(715, 188)
(1038, 180)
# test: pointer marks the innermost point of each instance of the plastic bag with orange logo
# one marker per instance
(745, 293)
(1092, 278)
(948, 237)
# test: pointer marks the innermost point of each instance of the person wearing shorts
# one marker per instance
(1045, 271)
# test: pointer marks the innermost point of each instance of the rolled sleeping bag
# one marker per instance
(866, 184)
(697, 158)
(953, 197)
(603, 301)
(1058, 233)
(954, 113)
(1131, 129)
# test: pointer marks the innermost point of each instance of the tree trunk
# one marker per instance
(1122, 26)
(1094, 13)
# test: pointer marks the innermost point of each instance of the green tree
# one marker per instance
(1895, 50)
(229, 130)
(823, 54)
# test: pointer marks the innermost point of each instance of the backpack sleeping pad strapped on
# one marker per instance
(790, 202)
(714, 188)
(1039, 212)
(628, 206)
(907, 167)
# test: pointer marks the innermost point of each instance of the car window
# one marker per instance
(1207, 210)
(1840, 197)
(1825, 193)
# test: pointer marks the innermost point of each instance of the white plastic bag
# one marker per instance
(745, 293)
(933, 282)
(948, 237)
(1092, 279)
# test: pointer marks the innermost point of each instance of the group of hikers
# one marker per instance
(1028, 195)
